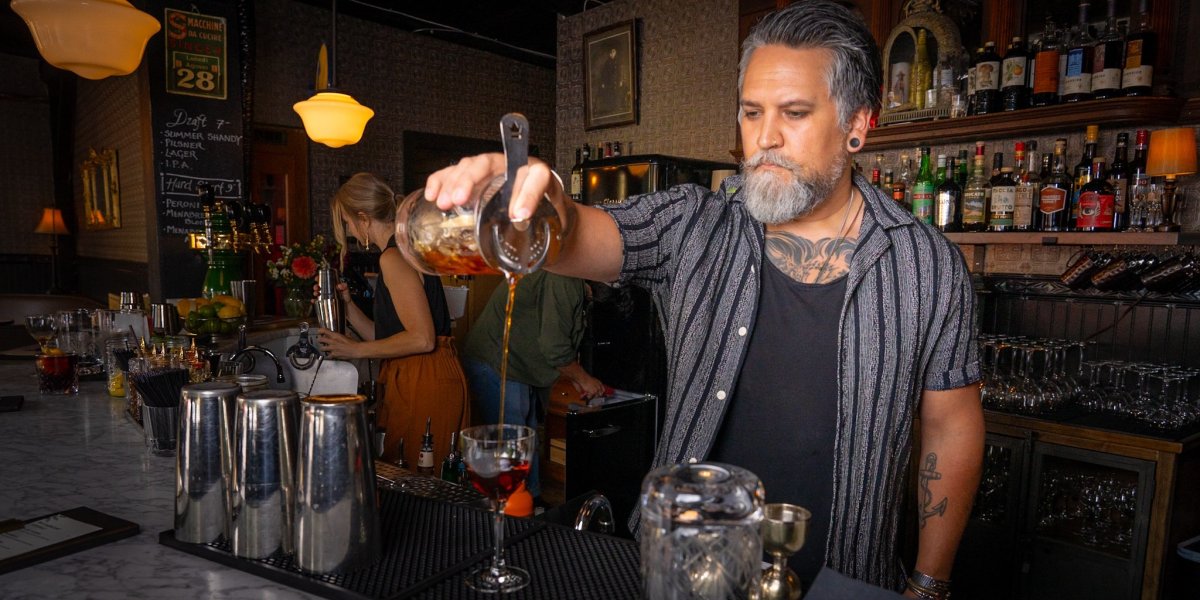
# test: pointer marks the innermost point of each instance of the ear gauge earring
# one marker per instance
(855, 142)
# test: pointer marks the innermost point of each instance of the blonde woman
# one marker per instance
(420, 373)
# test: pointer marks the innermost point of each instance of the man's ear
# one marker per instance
(857, 136)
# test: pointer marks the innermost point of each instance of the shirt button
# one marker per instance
(751, 268)
(721, 395)
(742, 331)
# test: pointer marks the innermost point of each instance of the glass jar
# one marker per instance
(700, 532)
(116, 376)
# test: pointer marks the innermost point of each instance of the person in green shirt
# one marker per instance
(547, 326)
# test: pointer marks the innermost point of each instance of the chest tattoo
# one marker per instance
(807, 261)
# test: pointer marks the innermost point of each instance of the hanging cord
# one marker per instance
(1119, 318)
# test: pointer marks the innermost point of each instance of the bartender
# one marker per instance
(809, 319)
(420, 373)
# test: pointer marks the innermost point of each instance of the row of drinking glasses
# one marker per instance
(1039, 375)
(79, 331)
(1097, 509)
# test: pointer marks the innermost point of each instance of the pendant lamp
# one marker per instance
(91, 38)
(330, 117)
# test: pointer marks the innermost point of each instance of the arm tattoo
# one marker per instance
(802, 259)
(929, 473)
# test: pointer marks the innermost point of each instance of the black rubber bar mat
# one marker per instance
(424, 541)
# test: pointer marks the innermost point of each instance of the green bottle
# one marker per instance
(923, 188)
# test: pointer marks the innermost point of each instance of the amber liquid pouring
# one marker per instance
(512, 279)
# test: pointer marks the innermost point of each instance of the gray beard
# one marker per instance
(773, 199)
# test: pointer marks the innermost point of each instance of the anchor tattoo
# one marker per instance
(929, 473)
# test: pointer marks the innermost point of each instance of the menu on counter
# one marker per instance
(197, 127)
(59, 534)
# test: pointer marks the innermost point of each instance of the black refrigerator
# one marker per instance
(623, 345)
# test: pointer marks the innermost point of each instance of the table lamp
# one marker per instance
(1172, 154)
(52, 224)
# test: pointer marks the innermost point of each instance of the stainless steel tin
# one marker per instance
(251, 382)
(337, 522)
(262, 473)
(330, 314)
(201, 501)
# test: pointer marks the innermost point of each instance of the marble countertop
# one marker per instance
(61, 452)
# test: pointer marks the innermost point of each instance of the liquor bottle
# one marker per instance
(939, 174)
(975, 195)
(949, 195)
(1055, 193)
(1026, 186)
(962, 170)
(997, 164)
(1082, 173)
(1014, 88)
(876, 172)
(451, 466)
(1045, 67)
(1106, 62)
(1118, 178)
(1078, 85)
(987, 81)
(1139, 181)
(1096, 201)
(972, 96)
(1066, 37)
(904, 179)
(923, 188)
(1003, 205)
(1141, 49)
(577, 176)
(425, 458)
(887, 182)
(946, 80)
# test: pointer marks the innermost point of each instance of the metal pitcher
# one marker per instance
(262, 473)
(201, 494)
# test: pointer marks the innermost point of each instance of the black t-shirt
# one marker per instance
(387, 322)
(782, 419)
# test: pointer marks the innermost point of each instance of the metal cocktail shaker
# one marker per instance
(201, 494)
(337, 522)
(329, 309)
(262, 473)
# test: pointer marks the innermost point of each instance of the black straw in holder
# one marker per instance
(161, 388)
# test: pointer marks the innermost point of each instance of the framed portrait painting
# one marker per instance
(610, 76)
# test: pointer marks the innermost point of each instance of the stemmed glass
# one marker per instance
(42, 328)
(497, 458)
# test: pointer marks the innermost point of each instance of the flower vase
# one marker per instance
(297, 304)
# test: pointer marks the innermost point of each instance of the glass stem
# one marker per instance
(498, 537)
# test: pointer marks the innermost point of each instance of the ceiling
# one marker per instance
(524, 30)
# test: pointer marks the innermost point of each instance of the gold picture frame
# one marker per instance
(101, 190)
(610, 76)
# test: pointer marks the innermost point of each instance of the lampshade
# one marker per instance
(91, 38)
(1172, 152)
(52, 222)
(333, 119)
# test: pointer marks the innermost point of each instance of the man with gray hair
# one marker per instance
(809, 318)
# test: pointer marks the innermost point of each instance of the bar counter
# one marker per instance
(62, 452)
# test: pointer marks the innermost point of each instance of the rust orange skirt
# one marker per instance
(419, 386)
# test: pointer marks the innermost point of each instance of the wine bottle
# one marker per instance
(450, 465)
(425, 457)
(923, 189)
(577, 175)
(1045, 67)
(1141, 50)
(1013, 88)
(974, 210)
(946, 213)
(987, 81)
(1078, 83)
(1096, 201)
(1055, 193)
(1139, 182)
(1106, 62)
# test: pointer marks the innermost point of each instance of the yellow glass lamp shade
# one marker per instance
(91, 38)
(1172, 152)
(333, 119)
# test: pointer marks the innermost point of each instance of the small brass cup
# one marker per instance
(784, 529)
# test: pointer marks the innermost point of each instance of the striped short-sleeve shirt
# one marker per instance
(907, 324)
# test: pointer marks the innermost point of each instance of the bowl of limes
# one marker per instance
(218, 315)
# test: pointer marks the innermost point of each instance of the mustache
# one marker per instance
(770, 157)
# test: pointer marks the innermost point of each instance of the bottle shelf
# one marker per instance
(1139, 111)
(1077, 238)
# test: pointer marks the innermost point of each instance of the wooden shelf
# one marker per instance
(1076, 238)
(1143, 111)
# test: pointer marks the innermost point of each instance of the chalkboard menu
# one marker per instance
(196, 117)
